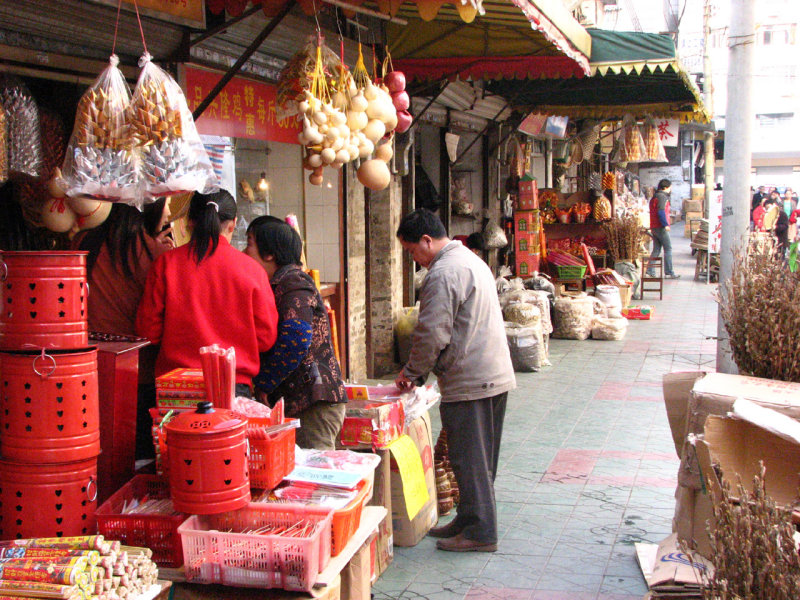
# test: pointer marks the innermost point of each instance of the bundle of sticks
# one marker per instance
(219, 373)
(72, 568)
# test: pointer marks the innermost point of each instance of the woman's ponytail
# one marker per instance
(208, 212)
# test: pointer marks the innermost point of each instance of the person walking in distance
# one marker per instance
(461, 338)
(659, 228)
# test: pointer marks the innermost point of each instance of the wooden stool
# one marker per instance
(657, 282)
(701, 265)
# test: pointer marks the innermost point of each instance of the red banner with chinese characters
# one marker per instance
(243, 109)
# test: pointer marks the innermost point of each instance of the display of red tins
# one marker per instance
(44, 298)
(49, 406)
(52, 500)
(207, 454)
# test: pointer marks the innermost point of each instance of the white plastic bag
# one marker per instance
(609, 329)
(524, 345)
(573, 317)
(173, 158)
(494, 236)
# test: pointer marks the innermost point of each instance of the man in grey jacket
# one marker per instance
(461, 338)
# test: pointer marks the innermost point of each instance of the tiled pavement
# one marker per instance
(587, 465)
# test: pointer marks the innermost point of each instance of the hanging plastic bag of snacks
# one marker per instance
(654, 149)
(172, 156)
(630, 146)
(3, 145)
(99, 161)
(22, 119)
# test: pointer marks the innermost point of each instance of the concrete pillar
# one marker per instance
(739, 122)
(384, 277)
(355, 249)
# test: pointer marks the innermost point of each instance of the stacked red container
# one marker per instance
(49, 421)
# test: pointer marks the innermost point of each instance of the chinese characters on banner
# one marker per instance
(715, 221)
(668, 131)
(243, 109)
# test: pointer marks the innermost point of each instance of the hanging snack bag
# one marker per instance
(22, 119)
(172, 156)
(654, 148)
(3, 145)
(630, 146)
(99, 161)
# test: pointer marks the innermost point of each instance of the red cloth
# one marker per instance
(225, 300)
(758, 217)
(792, 219)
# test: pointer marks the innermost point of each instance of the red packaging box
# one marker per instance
(524, 222)
(638, 313)
(527, 263)
(180, 388)
(528, 195)
(372, 424)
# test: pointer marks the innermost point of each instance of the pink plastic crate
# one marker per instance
(250, 560)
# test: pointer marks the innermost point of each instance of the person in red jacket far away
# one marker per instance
(207, 292)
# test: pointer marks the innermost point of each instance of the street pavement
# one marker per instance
(587, 465)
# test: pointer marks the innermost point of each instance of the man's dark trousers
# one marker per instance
(474, 429)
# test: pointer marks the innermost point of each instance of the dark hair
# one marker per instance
(664, 184)
(152, 214)
(276, 237)
(122, 233)
(207, 212)
(475, 241)
(418, 223)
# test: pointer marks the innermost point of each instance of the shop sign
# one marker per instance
(186, 12)
(668, 131)
(243, 109)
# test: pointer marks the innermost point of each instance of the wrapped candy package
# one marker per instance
(24, 143)
(100, 161)
(172, 156)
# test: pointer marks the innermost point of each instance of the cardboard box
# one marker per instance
(698, 191)
(687, 227)
(382, 546)
(525, 222)
(372, 423)
(356, 576)
(715, 393)
(693, 516)
(526, 263)
(405, 531)
(692, 206)
(677, 388)
(527, 195)
(190, 591)
(180, 388)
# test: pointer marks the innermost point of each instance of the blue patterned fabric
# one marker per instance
(291, 347)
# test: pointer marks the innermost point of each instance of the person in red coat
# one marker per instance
(207, 292)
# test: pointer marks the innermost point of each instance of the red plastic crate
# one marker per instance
(346, 520)
(157, 532)
(272, 458)
(251, 560)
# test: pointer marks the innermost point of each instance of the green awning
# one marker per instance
(632, 73)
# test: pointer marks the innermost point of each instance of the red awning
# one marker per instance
(485, 68)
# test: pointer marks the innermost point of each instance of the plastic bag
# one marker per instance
(573, 317)
(543, 301)
(654, 149)
(508, 297)
(419, 278)
(173, 158)
(522, 313)
(524, 346)
(540, 282)
(100, 161)
(494, 236)
(404, 329)
(630, 146)
(609, 329)
(629, 271)
(3, 145)
(22, 119)
(610, 296)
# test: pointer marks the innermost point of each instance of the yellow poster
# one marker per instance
(409, 464)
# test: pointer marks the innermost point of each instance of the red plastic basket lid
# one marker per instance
(206, 420)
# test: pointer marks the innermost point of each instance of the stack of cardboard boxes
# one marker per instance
(704, 433)
(527, 225)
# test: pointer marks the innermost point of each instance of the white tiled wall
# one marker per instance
(317, 208)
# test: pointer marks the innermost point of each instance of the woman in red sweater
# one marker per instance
(207, 292)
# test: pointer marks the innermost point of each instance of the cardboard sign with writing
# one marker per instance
(409, 464)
